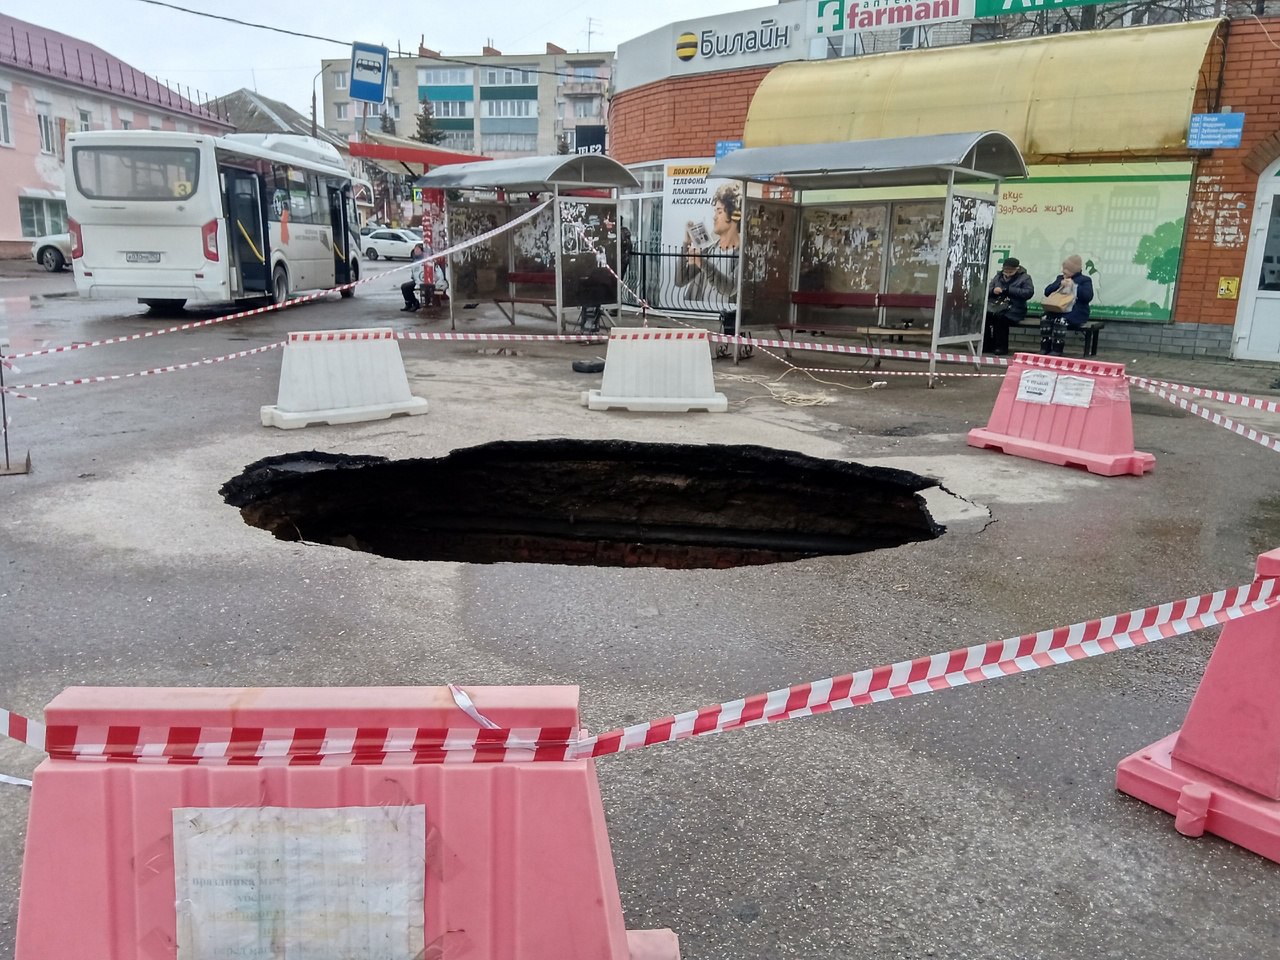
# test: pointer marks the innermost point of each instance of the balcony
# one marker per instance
(583, 88)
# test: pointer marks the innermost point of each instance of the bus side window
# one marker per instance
(299, 198)
(278, 191)
(319, 199)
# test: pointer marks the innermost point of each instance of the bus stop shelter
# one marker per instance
(914, 242)
(565, 257)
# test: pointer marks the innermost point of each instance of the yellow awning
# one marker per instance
(1094, 93)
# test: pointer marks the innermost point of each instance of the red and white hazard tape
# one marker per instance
(506, 337)
(862, 351)
(148, 373)
(306, 298)
(375, 745)
(1239, 399)
(1257, 436)
(333, 336)
(654, 333)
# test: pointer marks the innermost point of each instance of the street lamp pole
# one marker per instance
(313, 101)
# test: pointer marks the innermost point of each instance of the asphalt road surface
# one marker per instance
(981, 822)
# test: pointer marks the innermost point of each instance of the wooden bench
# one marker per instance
(838, 324)
(1089, 332)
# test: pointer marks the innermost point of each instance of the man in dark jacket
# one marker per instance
(1007, 297)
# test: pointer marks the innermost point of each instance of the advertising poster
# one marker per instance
(701, 227)
(1124, 220)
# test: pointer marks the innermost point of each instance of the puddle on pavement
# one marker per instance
(587, 502)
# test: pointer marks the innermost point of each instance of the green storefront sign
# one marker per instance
(1000, 8)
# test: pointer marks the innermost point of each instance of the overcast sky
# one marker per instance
(217, 57)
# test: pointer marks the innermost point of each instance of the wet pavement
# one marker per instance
(977, 823)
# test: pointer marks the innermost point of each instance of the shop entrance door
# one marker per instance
(1257, 333)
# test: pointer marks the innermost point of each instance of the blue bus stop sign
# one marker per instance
(1209, 131)
(368, 73)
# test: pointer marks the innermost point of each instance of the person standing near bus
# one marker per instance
(409, 289)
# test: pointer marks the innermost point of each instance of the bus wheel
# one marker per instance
(165, 306)
(355, 277)
(279, 285)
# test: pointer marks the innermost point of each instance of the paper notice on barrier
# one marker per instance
(1036, 386)
(1073, 391)
(278, 883)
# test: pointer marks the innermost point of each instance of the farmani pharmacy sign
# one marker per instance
(831, 17)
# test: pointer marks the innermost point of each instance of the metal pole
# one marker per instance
(742, 273)
(4, 415)
(559, 251)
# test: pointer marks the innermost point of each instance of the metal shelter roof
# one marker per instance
(532, 174)
(894, 162)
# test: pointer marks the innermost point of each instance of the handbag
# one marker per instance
(1060, 301)
(998, 308)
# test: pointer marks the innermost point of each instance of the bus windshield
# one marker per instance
(136, 173)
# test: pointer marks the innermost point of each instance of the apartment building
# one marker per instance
(50, 85)
(494, 104)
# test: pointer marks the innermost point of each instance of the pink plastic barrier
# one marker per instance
(1073, 413)
(134, 861)
(1220, 773)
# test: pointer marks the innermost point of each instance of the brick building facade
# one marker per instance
(686, 116)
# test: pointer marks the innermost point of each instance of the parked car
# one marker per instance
(390, 244)
(52, 252)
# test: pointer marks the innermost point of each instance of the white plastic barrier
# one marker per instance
(667, 371)
(341, 376)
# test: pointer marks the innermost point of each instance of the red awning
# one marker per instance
(426, 155)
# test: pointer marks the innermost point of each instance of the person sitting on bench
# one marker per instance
(409, 289)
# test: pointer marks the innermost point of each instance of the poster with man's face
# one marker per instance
(701, 229)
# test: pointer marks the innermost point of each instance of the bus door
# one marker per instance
(341, 236)
(246, 225)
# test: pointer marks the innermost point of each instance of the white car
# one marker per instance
(390, 244)
(52, 252)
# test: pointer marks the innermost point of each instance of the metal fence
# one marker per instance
(662, 275)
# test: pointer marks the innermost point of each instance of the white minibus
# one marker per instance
(170, 218)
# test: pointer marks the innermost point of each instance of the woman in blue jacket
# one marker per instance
(1053, 326)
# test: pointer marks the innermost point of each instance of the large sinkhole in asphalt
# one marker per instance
(603, 503)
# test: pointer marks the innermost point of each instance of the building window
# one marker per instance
(395, 110)
(373, 109)
(86, 120)
(395, 78)
(907, 38)
(584, 74)
(339, 79)
(509, 142)
(126, 124)
(440, 76)
(44, 123)
(4, 119)
(459, 140)
(510, 108)
(586, 108)
(341, 109)
(42, 217)
(508, 76)
(451, 108)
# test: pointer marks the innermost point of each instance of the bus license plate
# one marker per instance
(142, 256)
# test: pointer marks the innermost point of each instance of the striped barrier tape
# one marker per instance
(145, 373)
(1239, 399)
(1257, 436)
(862, 351)
(507, 337)
(306, 298)
(375, 745)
